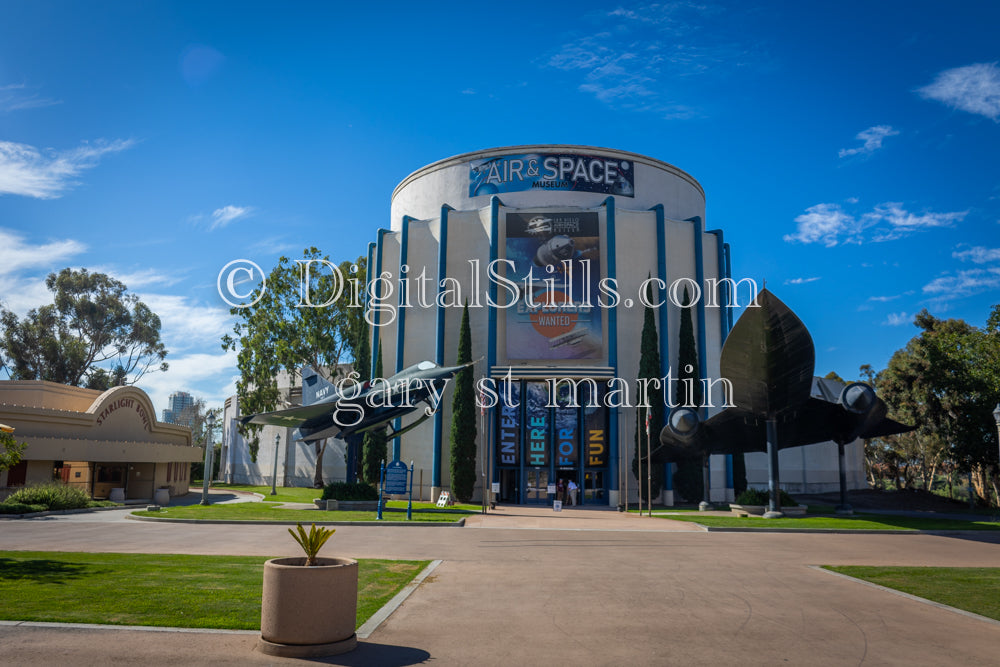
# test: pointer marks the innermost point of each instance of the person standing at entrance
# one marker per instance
(561, 490)
(572, 492)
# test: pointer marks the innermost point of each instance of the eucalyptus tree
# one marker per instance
(308, 315)
(95, 333)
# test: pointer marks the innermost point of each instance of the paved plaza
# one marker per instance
(532, 587)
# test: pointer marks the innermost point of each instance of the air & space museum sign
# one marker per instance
(552, 171)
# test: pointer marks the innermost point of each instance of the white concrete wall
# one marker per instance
(810, 469)
(296, 460)
(422, 193)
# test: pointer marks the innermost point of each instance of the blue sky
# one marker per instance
(848, 150)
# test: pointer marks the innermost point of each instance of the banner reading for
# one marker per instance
(556, 259)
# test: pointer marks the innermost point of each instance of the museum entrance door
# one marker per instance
(536, 491)
(508, 486)
(593, 487)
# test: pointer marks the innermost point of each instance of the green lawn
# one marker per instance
(285, 494)
(975, 589)
(855, 522)
(163, 590)
(307, 495)
(813, 509)
(270, 512)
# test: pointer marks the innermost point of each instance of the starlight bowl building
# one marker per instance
(108, 443)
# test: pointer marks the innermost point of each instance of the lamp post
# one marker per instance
(209, 446)
(274, 474)
(996, 418)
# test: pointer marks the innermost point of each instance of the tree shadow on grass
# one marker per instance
(39, 570)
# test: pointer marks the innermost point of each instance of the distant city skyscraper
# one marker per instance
(179, 400)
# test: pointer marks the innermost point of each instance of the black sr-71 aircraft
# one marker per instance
(327, 412)
(769, 359)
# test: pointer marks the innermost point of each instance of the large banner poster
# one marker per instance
(552, 171)
(557, 265)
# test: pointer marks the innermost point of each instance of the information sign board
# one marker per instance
(396, 477)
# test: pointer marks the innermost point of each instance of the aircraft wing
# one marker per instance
(887, 427)
(290, 417)
(769, 358)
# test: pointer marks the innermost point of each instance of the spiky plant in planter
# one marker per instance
(309, 605)
(312, 541)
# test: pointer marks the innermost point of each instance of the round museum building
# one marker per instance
(558, 250)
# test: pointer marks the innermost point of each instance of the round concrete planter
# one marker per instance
(308, 611)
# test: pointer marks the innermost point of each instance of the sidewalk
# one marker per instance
(543, 517)
(531, 586)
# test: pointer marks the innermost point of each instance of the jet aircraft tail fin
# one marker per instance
(314, 386)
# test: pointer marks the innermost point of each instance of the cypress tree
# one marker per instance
(374, 445)
(688, 477)
(739, 473)
(363, 356)
(363, 366)
(463, 419)
(649, 367)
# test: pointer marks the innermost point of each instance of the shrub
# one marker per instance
(312, 541)
(20, 508)
(762, 497)
(349, 491)
(688, 481)
(52, 495)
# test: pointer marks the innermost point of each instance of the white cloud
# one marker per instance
(20, 294)
(273, 245)
(24, 265)
(16, 254)
(223, 216)
(24, 170)
(898, 319)
(823, 223)
(800, 281)
(19, 96)
(965, 283)
(639, 55)
(973, 88)
(872, 137)
(901, 222)
(830, 225)
(884, 299)
(978, 255)
(143, 278)
(193, 373)
(184, 324)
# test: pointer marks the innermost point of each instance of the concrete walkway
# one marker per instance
(533, 587)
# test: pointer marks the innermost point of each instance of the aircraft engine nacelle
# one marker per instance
(679, 438)
(858, 398)
(684, 423)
